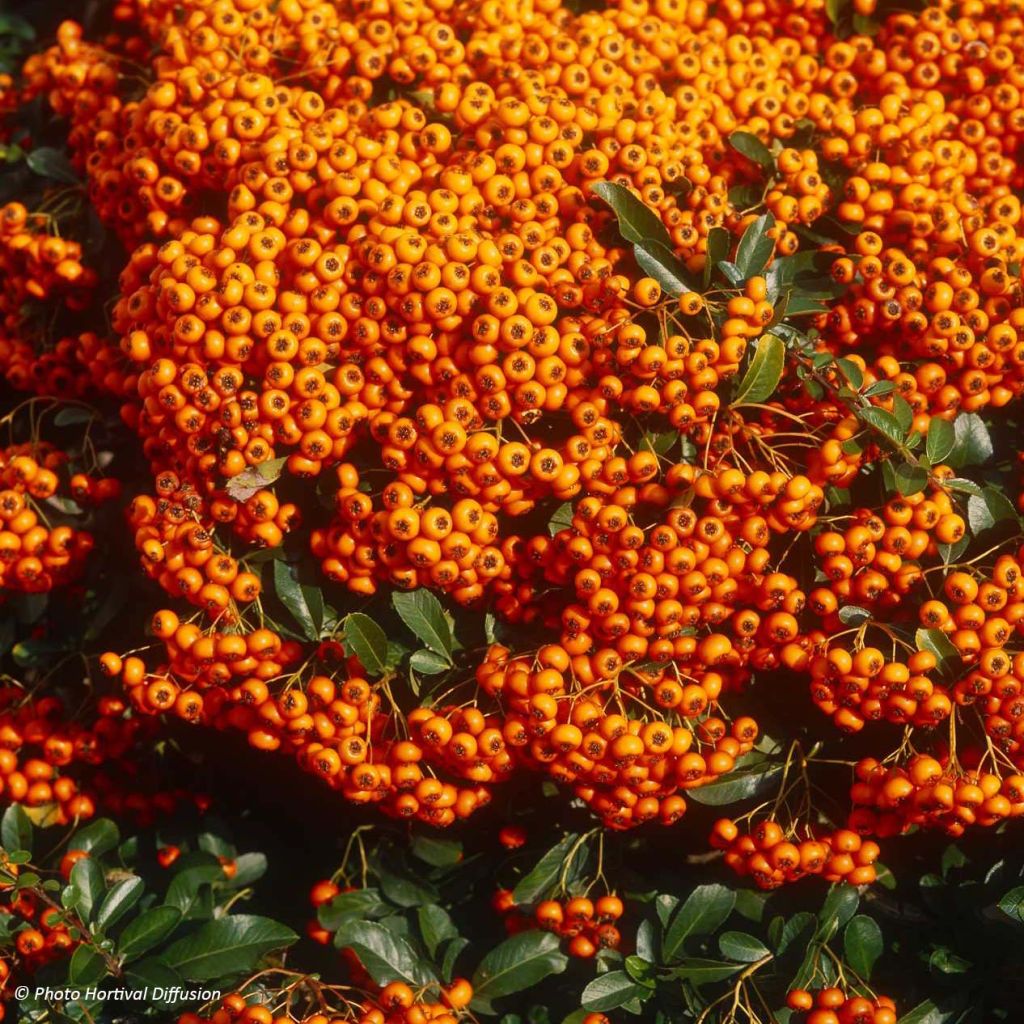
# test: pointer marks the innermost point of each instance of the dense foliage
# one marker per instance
(511, 512)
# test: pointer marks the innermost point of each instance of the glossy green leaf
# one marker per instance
(862, 944)
(147, 930)
(367, 641)
(637, 221)
(612, 990)
(226, 946)
(519, 963)
(940, 440)
(742, 947)
(422, 612)
(657, 260)
(749, 145)
(764, 372)
(705, 910)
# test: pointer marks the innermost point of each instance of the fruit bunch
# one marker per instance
(587, 925)
(834, 1006)
(35, 557)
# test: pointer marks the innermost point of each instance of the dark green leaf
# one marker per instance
(123, 895)
(882, 421)
(441, 853)
(53, 164)
(741, 784)
(941, 439)
(147, 930)
(936, 642)
(765, 371)
(853, 615)
(701, 971)
(360, 903)
(839, 906)
(427, 663)
(926, 1013)
(988, 509)
(755, 248)
(792, 928)
(637, 221)
(647, 941)
(226, 947)
(610, 991)
(545, 873)
(450, 951)
(436, 926)
(657, 260)
(749, 145)
(973, 446)
(862, 944)
(945, 961)
(705, 909)
(293, 595)
(387, 956)
(421, 611)
(910, 479)
(741, 946)
(16, 829)
(152, 972)
(718, 250)
(367, 641)
(86, 967)
(519, 963)
(89, 885)
(561, 519)
(1012, 904)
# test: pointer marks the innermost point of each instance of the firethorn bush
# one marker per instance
(546, 476)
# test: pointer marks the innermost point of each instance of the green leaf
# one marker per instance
(385, 955)
(427, 663)
(910, 479)
(360, 903)
(519, 963)
(561, 519)
(545, 873)
(862, 944)
(86, 966)
(612, 990)
(436, 926)
(853, 615)
(657, 260)
(123, 895)
(755, 248)
(98, 837)
(451, 949)
(147, 930)
(749, 145)
(791, 929)
(988, 509)
(89, 885)
(51, 163)
(764, 372)
(839, 906)
(718, 250)
(152, 972)
(367, 641)
(941, 439)
(937, 643)
(701, 971)
(295, 597)
(926, 1013)
(185, 886)
(705, 909)
(441, 853)
(421, 611)
(640, 969)
(249, 868)
(1012, 904)
(740, 784)
(945, 961)
(226, 947)
(973, 445)
(882, 421)
(647, 941)
(741, 946)
(637, 221)
(16, 830)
